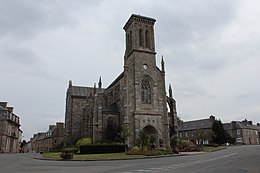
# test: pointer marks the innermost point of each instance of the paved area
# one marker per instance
(240, 159)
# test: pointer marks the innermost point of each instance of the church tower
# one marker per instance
(145, 95)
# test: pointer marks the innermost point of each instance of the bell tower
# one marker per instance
(139, 34)
(145, 95)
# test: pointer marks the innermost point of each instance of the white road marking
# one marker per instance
(170, 167)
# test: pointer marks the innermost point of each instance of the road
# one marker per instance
(238, 159)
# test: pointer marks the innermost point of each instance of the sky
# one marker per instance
(211, 51)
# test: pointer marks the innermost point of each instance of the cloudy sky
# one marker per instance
(211, 50)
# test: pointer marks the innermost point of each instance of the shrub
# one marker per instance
(174, 141)
(147, 152)
(101, 148)
(135, 151)
(84, 141)
(70, 149)
(66, 155)
(185, 145)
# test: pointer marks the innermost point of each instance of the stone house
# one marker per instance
(10, 133)
(47, 141)
(197, 131)
(244, 132)
(136, 98)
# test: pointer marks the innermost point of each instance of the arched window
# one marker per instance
(127, 41)
(146, 91)
(130, 40)
(141, 38)
(147, 39)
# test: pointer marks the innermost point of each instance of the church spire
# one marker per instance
(95, 89)
(170, 91)
(99, 83)
(162, 65)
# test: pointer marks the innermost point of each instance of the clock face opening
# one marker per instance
(145, 66)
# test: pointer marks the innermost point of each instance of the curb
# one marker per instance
(112, 159)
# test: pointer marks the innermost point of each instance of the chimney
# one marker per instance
(10, 109)
(212, 118)
(3, 104)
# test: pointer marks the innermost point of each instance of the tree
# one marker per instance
(143, 139)
(83, 141)
(124, 134)
(220, 136)
(202, 135)
(22, 144)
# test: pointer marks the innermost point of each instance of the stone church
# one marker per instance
(136, 98)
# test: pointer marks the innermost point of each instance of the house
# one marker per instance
(10, 133)
(197, 131)
(244, 132)
(47, 141)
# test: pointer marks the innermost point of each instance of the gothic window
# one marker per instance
(146, 91)
(147, 39)
(130, 40)
(141, 38)
(127, 41)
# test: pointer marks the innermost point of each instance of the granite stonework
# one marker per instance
(137, 97)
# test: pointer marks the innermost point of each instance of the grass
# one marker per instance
(56, 155)
(211, 148)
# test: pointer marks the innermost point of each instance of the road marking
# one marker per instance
(175, 166)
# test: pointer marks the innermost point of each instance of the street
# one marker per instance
(238, 159)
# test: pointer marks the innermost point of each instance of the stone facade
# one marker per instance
(10, 133)
(244, 132)
(136, 98)
(47, 141)
(197, 131)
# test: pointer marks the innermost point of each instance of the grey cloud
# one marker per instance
(189, 41)
(26, 18)
(15, 54)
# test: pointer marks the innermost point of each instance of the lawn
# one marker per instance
(211, 149)
(56, 155)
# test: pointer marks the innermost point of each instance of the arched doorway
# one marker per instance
(152, 131)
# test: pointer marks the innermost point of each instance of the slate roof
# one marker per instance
(82, 91)
(240, 125)
(227, 126)
(2, 108)
(116, 80)
(197, 124)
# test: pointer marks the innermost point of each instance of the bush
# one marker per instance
(147, 152)
(84, 141)
(185, 145)
(66, 155)
(101, 148)
(135, 151)
(70, 149)
(174, 141)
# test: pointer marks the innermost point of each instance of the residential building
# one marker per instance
(197, 131)
(244, 132)
(10, 133)
(47, 141)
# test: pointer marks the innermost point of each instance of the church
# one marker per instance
(136, 98)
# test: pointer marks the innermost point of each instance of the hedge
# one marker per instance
(101, 148)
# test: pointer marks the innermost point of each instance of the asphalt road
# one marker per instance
(239, 159)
